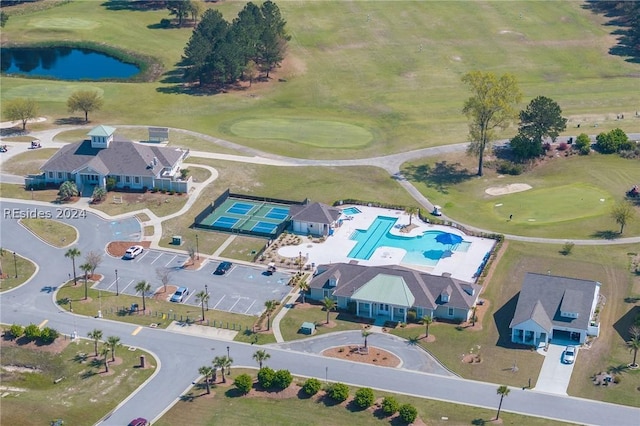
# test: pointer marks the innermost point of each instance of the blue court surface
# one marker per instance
(264, 227)
(240, 208)
(225, 222)
(277, 213)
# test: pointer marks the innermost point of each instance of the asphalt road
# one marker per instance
(178, 355)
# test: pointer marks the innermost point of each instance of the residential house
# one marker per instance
(389, 292)
(315, 219)
(553, 307)
(132, 165)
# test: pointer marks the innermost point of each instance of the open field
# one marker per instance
(40, 401)
(570, 197)
(607, 265)
(290, 324)
(53, 232)
(389, 70)
(224, 406)
(28, 162)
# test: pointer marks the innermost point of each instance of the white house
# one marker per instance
(552, 307)
(315, 219)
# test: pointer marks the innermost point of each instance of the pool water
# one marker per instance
(351, 211)
(421, 250)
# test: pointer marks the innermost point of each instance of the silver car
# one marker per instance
(569, 355)
(133, 251)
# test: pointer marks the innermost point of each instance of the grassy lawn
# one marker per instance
(28, 162)
(570, 197)
(9, 190)
(15, 270)
(386, 73)
(290, 324)
(607, 265)
(223, 406)
(160, 204)
(160, 312)
(42, 401)
(244, 248)
(56, 233)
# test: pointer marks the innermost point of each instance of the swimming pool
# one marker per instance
(351, 211)
(421, 250)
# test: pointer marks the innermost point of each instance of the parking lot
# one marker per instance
(242, 289)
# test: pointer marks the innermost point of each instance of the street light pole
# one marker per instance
(228, 352)
(299, 261)
(206, 290)
(117, 291)
(15, 263)
(326, 375)
(197, 249)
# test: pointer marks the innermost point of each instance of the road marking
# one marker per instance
(136, 331)
(223, 296)
(234, 305)
(125, 287)
(154, 260)
(250, 306)
(140, 256)
(43, 323)
(169, 262)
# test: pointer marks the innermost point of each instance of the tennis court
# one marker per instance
(265, 219)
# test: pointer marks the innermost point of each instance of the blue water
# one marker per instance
(64, 63)
(351, 210)
(421, 250)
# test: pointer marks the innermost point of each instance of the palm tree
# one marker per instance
(365, 334)
(304, 288)
(411, 211)
(270, 305)
(329, 304)
(143, 287)
(427, 320)
(96, 335)
(113, 342)
(206, 371)
(73, 253)
(202, 297)
(104, 351)
(223, 362)
(260, 356)
(634, 345)
(86, 268)
(502, 391)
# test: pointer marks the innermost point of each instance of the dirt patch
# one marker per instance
(290, 392)
(507, 189)
(408, 228)
(118, 248)
(370, 355)
(472, 359)
(163, 295)
(195, 265)
(55, 347)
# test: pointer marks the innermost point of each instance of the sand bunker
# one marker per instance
(507, 189)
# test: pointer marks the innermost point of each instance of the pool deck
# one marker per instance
(461, 265)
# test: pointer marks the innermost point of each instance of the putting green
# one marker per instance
(50, 92)
(64, 24)
(552, 205)
(318, 133)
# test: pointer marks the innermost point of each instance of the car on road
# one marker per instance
(569, 355)
(140, 421)
(180, 294)
(133, 252)
(223, 268)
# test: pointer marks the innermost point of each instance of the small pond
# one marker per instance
(64, 63)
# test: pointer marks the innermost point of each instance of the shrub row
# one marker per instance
(32, 332)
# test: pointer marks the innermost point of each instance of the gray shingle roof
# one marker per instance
(425, 288)
(123, 157)
(315, 213)
(543, 295)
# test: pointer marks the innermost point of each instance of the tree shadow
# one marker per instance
(13, 131)
(140, 6)
(71, 121)
(624, 15)
(625, 322)
(379, 414)
(329, 402)
(353, 407)
(606, 234)
(233, 393)
(479, 422)
(440, 176)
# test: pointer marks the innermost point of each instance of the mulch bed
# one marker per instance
(118, 248)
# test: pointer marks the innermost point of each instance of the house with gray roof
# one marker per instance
(92, 162)
(389, 292)
(553, 307)
(315, 219)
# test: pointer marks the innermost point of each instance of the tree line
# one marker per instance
(221, 53)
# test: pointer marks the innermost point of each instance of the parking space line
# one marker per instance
(250, 306)
(234, 305)
(144, 253)
(127, 286)
(43, 323)
(169, 262)
(136, 331)
(223, 296)
(154, 260)
(111, 285)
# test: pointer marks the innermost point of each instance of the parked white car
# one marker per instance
(569, 355)
(133, 251)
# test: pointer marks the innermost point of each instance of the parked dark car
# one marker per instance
(139, 422)
(223, 268)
